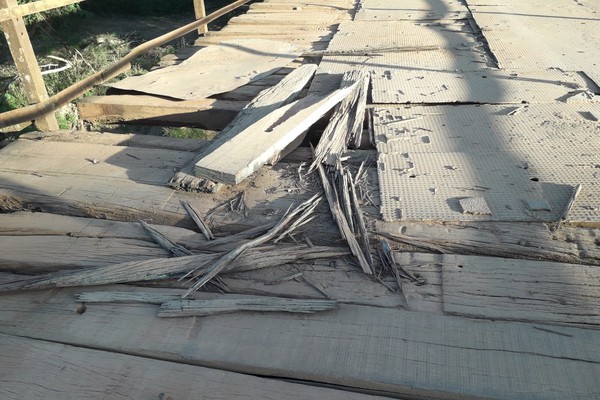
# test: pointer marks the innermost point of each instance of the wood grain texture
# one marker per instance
(207, 113)
(34, 369)
(38, 253)
(128, 183)
(522, 290)
(202, 75)
(528, 240)
(259, 143)
(409, 354)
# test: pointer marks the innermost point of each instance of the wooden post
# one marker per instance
(27, 66)
(200, 11)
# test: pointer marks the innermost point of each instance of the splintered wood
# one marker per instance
(266, 139)
(264, 104)
(200, 308)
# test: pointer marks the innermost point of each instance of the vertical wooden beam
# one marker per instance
(200, 11)
(27, 66)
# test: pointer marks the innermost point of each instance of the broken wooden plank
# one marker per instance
(208, 113)
(499, 239)
(203, 226)
(164, 242)
(342, 223)
(165, 268)
(52, 371)
(119, 139)
(38, 253)
(521, 290)
(353, 346)
(126, 297)
(346, 120)
(265, 103)
(253, 147)
(202, 75)
(202, 308)
(302, 211)
(335, 279)
(128, 183)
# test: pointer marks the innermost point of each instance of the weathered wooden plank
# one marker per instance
(35, 369)
(521, 290)
(53, 225)
(209, 113)
(305, 18)
(119, 139)
(337, 280)
(128, 183)
(202, 75)
(256, 145)
(22, 10)
(500, 239)
(166, 268)
(37, 253)
(203, 308)
(265, 103)
(408, 354)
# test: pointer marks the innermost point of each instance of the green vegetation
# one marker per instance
(81, 39)
(188, 133)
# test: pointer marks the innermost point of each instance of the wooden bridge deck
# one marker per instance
(479, 143)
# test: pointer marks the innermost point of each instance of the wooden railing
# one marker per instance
(41, 108)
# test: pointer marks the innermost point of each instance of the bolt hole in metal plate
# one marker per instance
(488, 152)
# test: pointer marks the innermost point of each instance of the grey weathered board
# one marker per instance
(521, 290)
(528, 240)
(207, 113)
(129, 183)
(36, 369)
(257, 144)
(404, 353)
(266, 102)
(202, 75)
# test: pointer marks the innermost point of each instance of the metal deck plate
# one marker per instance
(533, 35)
(491, 86)
(430, 157)
(458, 50)
(385, 10)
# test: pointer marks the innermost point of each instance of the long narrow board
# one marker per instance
(521, 290)
(527, 240)
(263, 141)
(127, 183)
(35, 369)
(404, 353)
(262, 105)
(202, 75)
(208, 113)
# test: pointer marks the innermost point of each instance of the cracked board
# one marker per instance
(537, 35)
(36, 369)
(405, 354)
(385, 10)
(431, 157)
(457, 50)
(521, 290)
(490, 86)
